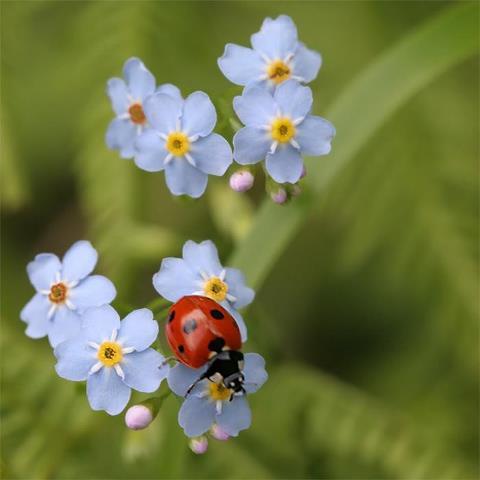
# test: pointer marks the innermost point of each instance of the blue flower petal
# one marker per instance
(236, 416)
(255, 107)
(196, 416)
(238, 319)
(180, 378)
(99, 323)
(151, 151)
(315, 135)
(202, 257)
(35, 314)
(306, 63)
(75, 358)
(79, 261)
(175, 279)
(277, 38)
(235, 280)
(254, 372)
(118, 93)
(121, 135)
(251, 145)
(140, 81)
(183, 179)
(171, 90)
(294, 99)
(43, 270)
(66, 324)
(138, 330)
(241, 65)
(212, 154)
(94, 291)
(143, 370)
(106, 391)
(163, 112)
(285, 165)
(199, 116)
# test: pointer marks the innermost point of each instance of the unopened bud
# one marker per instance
(280, 196)
(218, 433)
(241, 181)
(138, 417)
(198, 445)
(142, 415)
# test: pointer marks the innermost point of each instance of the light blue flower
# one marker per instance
(279, 129)
(64, 290)
(207, 404)
(200, 272)
(128, 97)
(113, 357)
(181, 142)
(277, 55)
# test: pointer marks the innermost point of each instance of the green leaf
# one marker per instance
(13, 191)
(314, 416)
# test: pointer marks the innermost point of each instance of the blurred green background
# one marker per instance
(367, 286)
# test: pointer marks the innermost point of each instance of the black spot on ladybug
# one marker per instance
(189, 326)
(216, 344)
(217, 314)
(171, 316)
(181, 348)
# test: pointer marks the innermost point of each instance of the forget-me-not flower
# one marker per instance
(211, 403)
(279, 129)
(113, 356)
(181, 142)
(64, 290)
(128, 96)
(277, 55)
(200, 272)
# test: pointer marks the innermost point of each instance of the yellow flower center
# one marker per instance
(136, 114)
(178, 144)
(278, 71)
(110, 353)
(218, 391)
(58, 293)
(283, 129)
(216, 289)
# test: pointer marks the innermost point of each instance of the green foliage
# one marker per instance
(367, 300)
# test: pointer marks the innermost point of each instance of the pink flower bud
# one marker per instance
(280, 196)
(218, 433)
(198, 445)
(138, 417)
(242, 181)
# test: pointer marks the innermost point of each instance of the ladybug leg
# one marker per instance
(192, 386)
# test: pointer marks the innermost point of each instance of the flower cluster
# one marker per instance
(113, 356)
(162, 131)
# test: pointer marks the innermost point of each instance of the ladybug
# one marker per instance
(200, 331)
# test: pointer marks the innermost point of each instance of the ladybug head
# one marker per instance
(235, 382)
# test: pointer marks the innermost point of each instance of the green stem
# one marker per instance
(159, 305)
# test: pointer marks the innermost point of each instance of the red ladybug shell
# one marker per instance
(196, 326)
